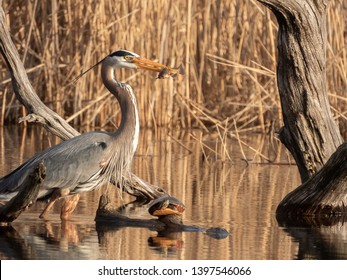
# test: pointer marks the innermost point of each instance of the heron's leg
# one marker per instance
(58, 193)
(68, 206)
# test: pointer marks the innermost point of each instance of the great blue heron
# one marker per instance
(91, 159)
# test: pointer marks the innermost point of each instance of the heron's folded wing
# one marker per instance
(67, 164)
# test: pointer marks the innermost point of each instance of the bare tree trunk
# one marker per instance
(309, 132)
(39, 113)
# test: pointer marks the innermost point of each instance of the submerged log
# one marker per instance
(26, 196)
(110, 218)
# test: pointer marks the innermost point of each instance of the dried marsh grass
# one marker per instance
(227, 47)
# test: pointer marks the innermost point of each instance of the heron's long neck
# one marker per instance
(128, 130)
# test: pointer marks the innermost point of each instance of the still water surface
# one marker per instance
(237, 196)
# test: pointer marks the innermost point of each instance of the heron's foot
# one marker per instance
(43, 215)
(45, 211)
(58, 193)
(68, 206)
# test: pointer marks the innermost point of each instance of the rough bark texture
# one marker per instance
(323, 196)
(309, 132)
(26, 196)
(39, 113)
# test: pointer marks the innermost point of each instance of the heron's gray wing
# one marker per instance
(68, 164)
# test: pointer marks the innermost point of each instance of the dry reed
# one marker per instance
(227, 47)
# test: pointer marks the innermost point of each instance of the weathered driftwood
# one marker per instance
(24, 91)
(310, 132)
(26, 196)
(39, 113)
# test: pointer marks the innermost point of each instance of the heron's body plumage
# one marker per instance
(92, 159)
(68, 165)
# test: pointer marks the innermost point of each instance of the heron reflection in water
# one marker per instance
(92, 159)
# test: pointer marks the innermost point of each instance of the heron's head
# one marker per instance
(123, 59)
(126, 59)
(130, 60)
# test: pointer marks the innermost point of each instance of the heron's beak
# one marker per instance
(143, 63)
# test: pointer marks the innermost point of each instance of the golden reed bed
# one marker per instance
(228, 49)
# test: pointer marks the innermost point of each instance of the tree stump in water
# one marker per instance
(26, 196)
(323, 197)
(309, 132)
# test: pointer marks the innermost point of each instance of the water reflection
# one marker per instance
(164, 243)
(168, 237)
(240, 198)
(48, 240)
(321, 243)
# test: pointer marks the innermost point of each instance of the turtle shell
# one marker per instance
(166, 205)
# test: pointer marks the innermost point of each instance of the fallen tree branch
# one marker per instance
(24, 90)
(26, 196)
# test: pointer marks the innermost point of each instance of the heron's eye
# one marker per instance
(128, 58)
